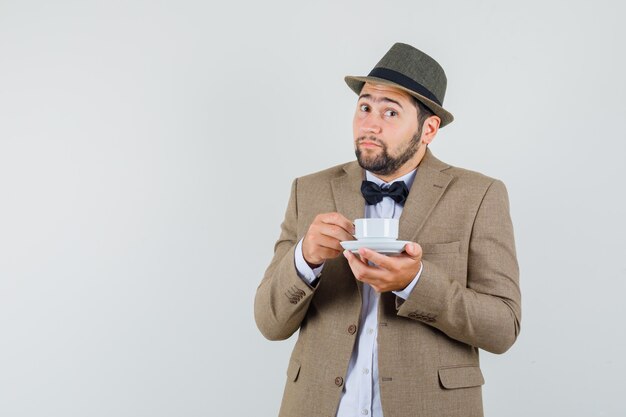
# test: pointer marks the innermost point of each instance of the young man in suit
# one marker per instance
(393, 335)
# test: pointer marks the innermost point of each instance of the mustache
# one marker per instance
(373, 139)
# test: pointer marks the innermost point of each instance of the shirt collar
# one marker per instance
(408, 179)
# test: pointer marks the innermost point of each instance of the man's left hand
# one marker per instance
(390, 273)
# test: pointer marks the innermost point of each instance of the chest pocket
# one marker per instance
(447, 257)
(437, 248)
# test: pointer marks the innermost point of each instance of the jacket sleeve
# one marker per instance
(486, 312)
(282, 298)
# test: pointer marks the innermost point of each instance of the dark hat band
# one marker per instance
(404, 81)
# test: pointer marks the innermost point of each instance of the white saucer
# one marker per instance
(384, 246)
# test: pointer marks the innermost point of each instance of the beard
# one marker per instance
(384, 163)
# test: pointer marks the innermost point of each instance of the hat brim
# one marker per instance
(356, 84)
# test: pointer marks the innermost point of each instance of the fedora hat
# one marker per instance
(412, 71)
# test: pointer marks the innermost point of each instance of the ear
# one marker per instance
(430, 129)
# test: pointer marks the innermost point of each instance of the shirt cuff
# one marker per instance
(404, 294)
(305, 272)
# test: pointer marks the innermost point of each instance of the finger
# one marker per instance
(362, 270)
(328, 242)
(355, 263)
(315, 249)
(353, 260)
(340, 220)
(317, 239)
(335, 232)
(382, 261)
(413, 249)
(327, 253)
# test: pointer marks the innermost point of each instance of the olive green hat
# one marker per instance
(410, 70)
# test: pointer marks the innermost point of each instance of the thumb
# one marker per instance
(412, 249)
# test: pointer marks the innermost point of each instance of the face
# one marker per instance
(386, 133)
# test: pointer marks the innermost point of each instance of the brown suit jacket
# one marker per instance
(467, 297)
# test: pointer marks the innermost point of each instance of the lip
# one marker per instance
(369, 144)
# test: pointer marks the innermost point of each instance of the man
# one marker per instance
(393, 335)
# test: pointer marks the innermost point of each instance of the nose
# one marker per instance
(370, 124)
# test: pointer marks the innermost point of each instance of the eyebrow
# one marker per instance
(387, 99)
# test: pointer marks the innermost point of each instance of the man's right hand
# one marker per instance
(321, 241)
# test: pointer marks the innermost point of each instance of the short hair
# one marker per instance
(423, 112)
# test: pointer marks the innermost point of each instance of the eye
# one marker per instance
(391, 113)
(364, 107)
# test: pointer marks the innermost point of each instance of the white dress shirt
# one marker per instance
(361, 395)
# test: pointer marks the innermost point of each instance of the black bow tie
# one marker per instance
(373, 194)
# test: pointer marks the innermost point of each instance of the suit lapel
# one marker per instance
(428, 187)
(347, 192)
(348, 198)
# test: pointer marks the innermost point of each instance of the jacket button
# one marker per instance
(352, 329)
(339, 381)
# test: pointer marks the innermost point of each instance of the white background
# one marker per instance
(146, 154)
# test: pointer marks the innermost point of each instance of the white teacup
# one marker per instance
(376, 229)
